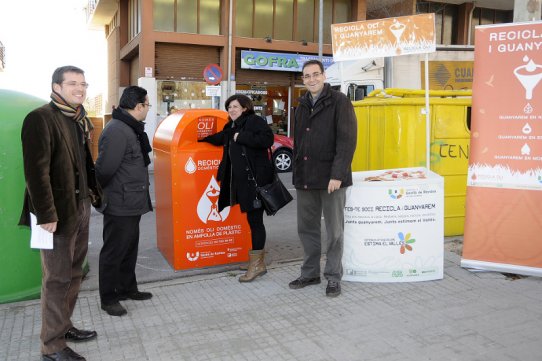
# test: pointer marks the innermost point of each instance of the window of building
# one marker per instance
(134, 18)
(262, 18)
(284, 10)
(446, 16)
(483, 16)
(187, 16)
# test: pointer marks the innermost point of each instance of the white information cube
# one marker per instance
(394, 226)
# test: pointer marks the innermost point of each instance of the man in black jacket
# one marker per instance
(121, 169)
(324, 144)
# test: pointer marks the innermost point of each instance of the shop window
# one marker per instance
(270, 103)
(181, 95)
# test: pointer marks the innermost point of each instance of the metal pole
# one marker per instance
(321, 30)
(230, 26)
(427, 116)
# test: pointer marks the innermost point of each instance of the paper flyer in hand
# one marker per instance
(40, 238)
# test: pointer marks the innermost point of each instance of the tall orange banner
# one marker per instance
(503, 228)
(384, 37)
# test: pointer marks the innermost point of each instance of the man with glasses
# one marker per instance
(60, 186)
(121, 168)
(324, 143)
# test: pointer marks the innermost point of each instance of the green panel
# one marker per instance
(20, 266)
(305, 20)
(284, 19)
(209, 21)
(263, 18)
(187, 16)
(164, 15)
(342, 11)
(243, 18)
(328, 20)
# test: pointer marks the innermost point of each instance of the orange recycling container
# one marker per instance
(191, 232)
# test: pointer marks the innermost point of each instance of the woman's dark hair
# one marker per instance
(243, 100)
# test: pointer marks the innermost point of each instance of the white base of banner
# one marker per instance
(394, 226)
(501, 267)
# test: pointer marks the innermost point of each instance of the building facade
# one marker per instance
(165, 46)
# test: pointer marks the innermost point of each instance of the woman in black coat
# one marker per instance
(245, 138)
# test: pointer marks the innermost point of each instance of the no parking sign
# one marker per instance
(212, 74)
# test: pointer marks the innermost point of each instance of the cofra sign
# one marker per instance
(278, 61)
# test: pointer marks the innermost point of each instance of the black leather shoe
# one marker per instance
(333, 288)
(66, 354)
(303, 282)
(137, 296)
(77, 335)
(114, 309)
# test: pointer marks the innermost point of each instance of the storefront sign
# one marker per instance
(384, 37)
(504, 189)
(278, 61)
(394, 226)
(448, 75)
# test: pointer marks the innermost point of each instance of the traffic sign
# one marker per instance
(212, 74)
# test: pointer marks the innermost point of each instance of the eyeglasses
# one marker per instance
(309, 76)
(73, 84)
(147, 104)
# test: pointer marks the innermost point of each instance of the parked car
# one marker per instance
(282, 153)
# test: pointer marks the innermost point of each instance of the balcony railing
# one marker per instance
(91, 8)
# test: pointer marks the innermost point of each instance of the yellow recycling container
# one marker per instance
(391, 134)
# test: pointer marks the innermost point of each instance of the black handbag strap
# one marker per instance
(269, 153)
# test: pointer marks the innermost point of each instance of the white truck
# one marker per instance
(450, 68)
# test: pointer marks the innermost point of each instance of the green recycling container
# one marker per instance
(20, 266)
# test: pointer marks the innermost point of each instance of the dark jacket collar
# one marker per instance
(241, 121)
(306, 98)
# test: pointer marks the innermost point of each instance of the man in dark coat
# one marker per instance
(121, 169)
(60, 183)
(324, 144)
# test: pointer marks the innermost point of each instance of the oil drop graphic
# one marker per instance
(190, 166)
(207, 209)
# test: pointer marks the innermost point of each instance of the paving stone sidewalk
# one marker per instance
(465, 316)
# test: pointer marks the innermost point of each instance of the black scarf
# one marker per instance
(139, 129)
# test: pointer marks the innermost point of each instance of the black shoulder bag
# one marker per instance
(274, 195)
